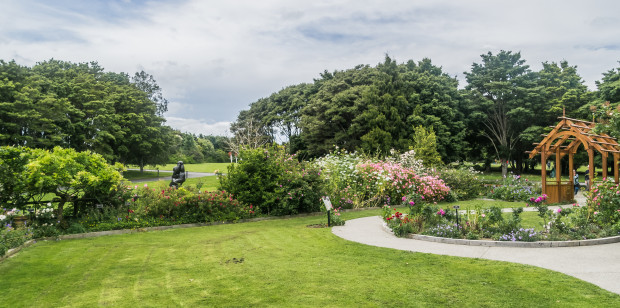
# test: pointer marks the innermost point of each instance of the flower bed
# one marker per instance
(600, 218)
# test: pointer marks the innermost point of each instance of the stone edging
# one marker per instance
(539, 244)
(15, 250)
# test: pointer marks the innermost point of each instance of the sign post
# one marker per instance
(456, 208)
(328, 207)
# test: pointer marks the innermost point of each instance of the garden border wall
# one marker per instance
(538, 244)
(489, 243)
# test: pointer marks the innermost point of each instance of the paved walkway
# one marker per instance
(166, 175)
(598, 264)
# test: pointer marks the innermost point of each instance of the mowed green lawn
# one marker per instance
(281, 263)
(208, 183)
(203, 167)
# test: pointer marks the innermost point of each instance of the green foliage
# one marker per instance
(609, 86)
(425, 147)
(514, 188)
(79, 106)
(12, 238)
(355, 181)
(275, 181)
(464, 182)
(370, 109)
(503, 98)
(604, 200)
(335, 217)
(65, 173)
(191, 205)
(13, 161)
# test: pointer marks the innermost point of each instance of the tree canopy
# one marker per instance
(501, 111)
(80, 106)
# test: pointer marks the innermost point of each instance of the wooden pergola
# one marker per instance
(565, 139)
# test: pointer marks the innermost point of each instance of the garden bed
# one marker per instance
(492, 243)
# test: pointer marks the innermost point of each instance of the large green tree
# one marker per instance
(502, 97)
(376, 109)
(80, 106)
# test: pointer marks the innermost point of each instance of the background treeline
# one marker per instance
(80, 106)
(503, 108)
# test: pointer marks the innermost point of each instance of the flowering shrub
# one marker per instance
(335, 218)
(187, 205)
(604, 199)
(540, 205)
(11, 238)
(514, 188)
(358, 182)
(400, 223)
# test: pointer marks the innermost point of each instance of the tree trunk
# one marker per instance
(141, 165)
(504, 168)
(61, 206)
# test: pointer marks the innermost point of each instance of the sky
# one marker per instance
(212, 59)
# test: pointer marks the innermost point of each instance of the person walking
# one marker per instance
(576, 181)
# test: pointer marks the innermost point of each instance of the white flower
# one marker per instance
(2, 217)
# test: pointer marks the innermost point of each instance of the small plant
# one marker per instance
(514, 188)
(445, 230)
(541, 206)
(522, 235)
(335, 218)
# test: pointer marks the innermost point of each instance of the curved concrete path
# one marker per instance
(599, 264)
(168, 175)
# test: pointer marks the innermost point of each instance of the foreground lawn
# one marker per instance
(272, 263)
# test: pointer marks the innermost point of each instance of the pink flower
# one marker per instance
(146, 185)
(559, 210)
(483, 215)
(411, 203)
(404, 198)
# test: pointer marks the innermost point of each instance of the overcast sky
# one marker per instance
(214, 58)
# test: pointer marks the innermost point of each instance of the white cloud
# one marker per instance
(198, 127)
(214, 58)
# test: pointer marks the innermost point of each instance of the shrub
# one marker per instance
(514, 188)
(335, 218)
(11, 238)
(187, 205)
(358, 182)
(463, 182)
(604, 198)
(275, 181)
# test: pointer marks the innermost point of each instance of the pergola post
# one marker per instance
(558, 172)
(604, 154)
(543, 162)
(571, 167)
(591, 163)
(616, 168)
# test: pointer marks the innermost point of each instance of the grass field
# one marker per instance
(209, 183)
(279, 263)
(204, 167)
